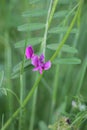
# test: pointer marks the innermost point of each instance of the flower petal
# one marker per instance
(36, 69)
(47, 65)
(29, 52)
(41, 58)
(35, 61)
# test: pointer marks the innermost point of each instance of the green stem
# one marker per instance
(22, 90)
(52, 12)
(46, 29)
(48, 22)
(2, 120)
(8, 66)
(79, 14)
(80, 78)
(33, 107)
(55, 87)
(21, 120)
(65, 37)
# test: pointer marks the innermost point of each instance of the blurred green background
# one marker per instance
(70, 80)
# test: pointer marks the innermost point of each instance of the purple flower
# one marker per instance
(37, 61)
(29, 52)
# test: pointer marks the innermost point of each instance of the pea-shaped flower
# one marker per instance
(29, 53)
(37, 61)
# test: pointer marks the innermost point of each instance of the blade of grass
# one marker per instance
(8, 66)
(80, 78)
(43, 45)
(22, 90)
(33, 107)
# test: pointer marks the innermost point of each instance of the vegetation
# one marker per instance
(57, 98)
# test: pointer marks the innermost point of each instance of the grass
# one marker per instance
(56, 99)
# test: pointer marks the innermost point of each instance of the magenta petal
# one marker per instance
(47, 65)
(35, 61)
(42, 58)
(29, 52)
(36, 69)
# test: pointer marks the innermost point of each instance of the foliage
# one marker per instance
(57, 98)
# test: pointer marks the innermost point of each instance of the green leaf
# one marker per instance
(67, 61)
(31, 27)
(61, 30)
(61, 13)
(34, 13)
(31, 41)
(65, 48)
